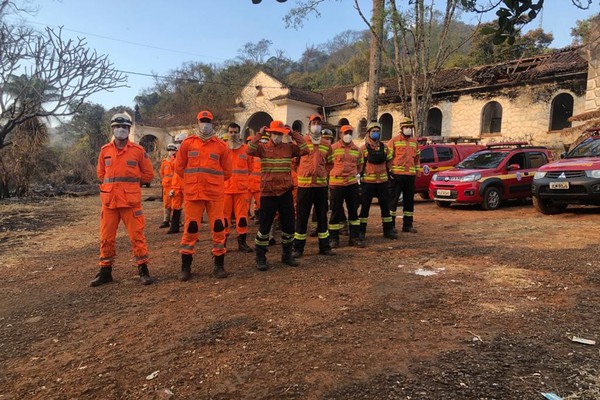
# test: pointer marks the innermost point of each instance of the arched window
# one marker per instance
(434, 122)
(362, 128)
(297, 126)
(560, 111)
(343, 121)
(387, 124)
(491, 118)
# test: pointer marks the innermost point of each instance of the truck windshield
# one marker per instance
(482, 160)
(588, 148)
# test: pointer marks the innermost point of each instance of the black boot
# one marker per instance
(164, 224)
(409, 229)
(287, 258)
(186, 268)
(242, 246)
(104, 276)
(175, 218)
(334, 239)
(144, 274)
(388, 232)
(261, 258)
(219, 268)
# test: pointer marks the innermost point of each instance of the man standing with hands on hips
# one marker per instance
(122, 167)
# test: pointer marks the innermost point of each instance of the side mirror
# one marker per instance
(563, 154)
(513, 167)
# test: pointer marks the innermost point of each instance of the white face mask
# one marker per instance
(315, 129)
(407, 131)
(205, 129)
(121, 133)
(277, 139)
(347, 138)
(235, 141)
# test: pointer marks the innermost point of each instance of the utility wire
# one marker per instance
(123, 41)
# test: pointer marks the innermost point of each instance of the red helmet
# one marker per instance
(204, 115)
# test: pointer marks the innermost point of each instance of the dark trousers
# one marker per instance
(339, 196)
(269, 206)
(307, 198)
(405, 185)
(381, 191)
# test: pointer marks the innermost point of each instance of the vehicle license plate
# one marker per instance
(443, 192)
(559, 185)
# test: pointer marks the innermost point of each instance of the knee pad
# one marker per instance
(218, 226)
(192, 227)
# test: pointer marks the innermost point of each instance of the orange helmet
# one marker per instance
(204, 115)
(277, 127)
(346, 128)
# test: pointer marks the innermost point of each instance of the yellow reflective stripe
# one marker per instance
(203, 171)
(276, 169)
(386, 219)
(399, 144)
(354, 153)
(363, 220)
(354, 222)
(335, 227)
(304, 179)
(323, 235)
(392, 213)
(408, 213)
(300, 236)
(121, 179)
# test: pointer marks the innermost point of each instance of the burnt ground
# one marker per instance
(477, 305)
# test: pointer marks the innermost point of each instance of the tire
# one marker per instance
(547, 207)
(425, 195)
(443, 204)
(491, 199)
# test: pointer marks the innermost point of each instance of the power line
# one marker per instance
(124, 41)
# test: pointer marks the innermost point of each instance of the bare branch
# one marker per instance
(45, 75)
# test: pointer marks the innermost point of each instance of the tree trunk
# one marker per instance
(375, 60)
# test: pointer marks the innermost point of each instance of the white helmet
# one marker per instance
(180, 137)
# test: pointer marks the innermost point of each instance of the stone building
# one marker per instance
(529, 99)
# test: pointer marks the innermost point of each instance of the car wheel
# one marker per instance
(491, 198)
(547, 207)
(443, 204)
(425, 195)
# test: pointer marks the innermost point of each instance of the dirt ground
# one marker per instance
(477, 305)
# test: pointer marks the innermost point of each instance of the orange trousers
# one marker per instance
(134, 220)
(237, 203)
(193, 215)
(256, 197)
(177, 200)
(167, 201)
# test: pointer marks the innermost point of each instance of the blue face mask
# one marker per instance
(375, 135)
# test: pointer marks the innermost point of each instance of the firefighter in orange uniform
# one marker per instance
(203, 161)
(404, 169)
(276, 189)
(377, 161)
(122, 167)
(176, 191)
(254, 181)
(237, 195)
(313, 171)
(166, 176)
(343, 184)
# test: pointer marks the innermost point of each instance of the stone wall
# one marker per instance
(592, 54)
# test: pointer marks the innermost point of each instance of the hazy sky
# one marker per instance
(154, 37)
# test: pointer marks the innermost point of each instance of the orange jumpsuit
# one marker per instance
(254, 183)
(177, 188)
(204, 167)
(237, 195)
(121, 172)
(166, 176)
